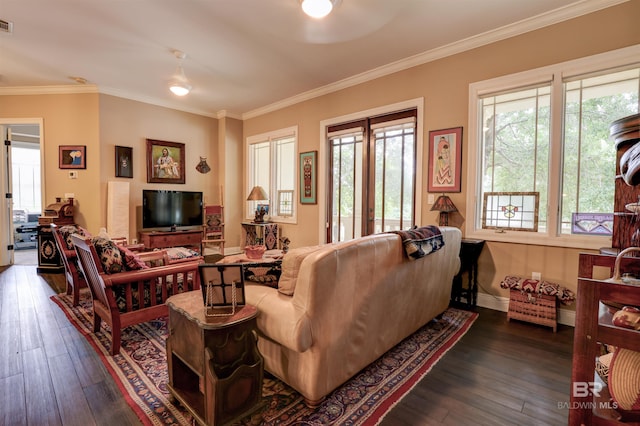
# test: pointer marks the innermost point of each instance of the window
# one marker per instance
(272, 165)
(547, 132)
(372, 167)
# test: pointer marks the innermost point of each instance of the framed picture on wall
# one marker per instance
(72, 157)
(308, 178)
(165, 162)
(445, 160)
(124, 161)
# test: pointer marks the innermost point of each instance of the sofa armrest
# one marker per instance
(279, 319)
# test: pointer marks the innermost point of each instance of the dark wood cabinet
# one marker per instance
(594, 328)
(215, 369)
(469, 254)
(154, 239)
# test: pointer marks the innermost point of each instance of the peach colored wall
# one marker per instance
(129, 123)
(69, 119)
(444, 85)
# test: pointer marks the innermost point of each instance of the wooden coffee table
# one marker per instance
(215, 369)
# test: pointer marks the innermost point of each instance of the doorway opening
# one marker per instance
(23, 180)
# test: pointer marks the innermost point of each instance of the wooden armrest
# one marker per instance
(69, 254)
(150, 256)
(127, 277)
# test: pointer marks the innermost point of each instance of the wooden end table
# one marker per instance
(469, 253)
(215, 369)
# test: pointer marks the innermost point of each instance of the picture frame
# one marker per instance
(308, 177)
(165, 162)
(264, 207)
(445, 160)
(72, 157)
(124, 161)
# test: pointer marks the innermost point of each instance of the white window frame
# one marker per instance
(272, 190)
(556, 74)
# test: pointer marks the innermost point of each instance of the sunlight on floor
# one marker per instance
(25, 257)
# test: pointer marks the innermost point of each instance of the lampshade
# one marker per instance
(179, 84)
(444, 204)
(257, 194)
(317, 8)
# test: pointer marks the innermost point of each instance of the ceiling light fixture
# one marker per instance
(179, 85)
(317, 8)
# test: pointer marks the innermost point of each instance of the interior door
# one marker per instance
(6, 212)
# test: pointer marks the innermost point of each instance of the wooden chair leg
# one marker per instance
(76, 295)
(97, 322)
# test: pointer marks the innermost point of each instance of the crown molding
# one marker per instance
(49, 90)
(524, 26)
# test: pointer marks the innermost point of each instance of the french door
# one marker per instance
(372, 164)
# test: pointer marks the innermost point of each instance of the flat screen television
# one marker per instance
(161, 208)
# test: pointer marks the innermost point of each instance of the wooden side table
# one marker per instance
(469, 254)
(215, 369)
(267, 233)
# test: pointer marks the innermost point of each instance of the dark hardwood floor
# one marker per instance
(501, 373)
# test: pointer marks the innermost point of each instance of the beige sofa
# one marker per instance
(350, 302)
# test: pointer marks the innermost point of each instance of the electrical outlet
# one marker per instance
(536, 276)
(69, 195)
(430, 199)
(73, 174)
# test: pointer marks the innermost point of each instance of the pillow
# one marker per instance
(68, 230)
(132, 261)
(264, 273)
(109, 255)
(290, 267)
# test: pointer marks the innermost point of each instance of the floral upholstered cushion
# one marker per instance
(132, 261)
(109, 254)
(68, 230)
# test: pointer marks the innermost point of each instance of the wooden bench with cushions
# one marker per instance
(116, 278)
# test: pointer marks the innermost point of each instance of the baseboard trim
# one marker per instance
(565, 316)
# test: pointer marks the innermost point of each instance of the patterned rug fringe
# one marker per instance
(140, 371)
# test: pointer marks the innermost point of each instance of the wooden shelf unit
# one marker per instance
(594, 328)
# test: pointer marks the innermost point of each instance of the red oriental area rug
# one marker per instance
(140, 371)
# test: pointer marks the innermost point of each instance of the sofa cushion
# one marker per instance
(132, 261)
(290, 267)
(109, 254)
(68, 230)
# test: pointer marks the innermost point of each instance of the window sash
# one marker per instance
(572, 70)
(272, 165)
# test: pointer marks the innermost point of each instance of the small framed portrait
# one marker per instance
(445, 160)
(124, 161)
(165, 162)
(72, 157)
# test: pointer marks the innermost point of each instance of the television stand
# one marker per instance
(191, 238)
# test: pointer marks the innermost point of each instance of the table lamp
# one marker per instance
(258, 194)
(445, 206)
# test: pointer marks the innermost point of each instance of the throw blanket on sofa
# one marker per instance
(419, 242)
